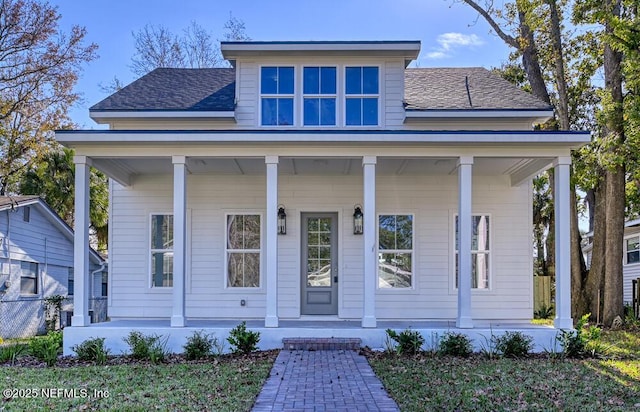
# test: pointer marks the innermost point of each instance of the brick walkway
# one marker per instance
(338, 380)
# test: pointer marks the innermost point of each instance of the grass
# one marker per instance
(428, 382)
(228, 383)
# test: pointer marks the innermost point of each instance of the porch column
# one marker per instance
(464, 319)
(179, 239)
(271, 237)
(563, 253)
(369, 242)
(81, 243)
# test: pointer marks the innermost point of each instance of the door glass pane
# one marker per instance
(319, 252)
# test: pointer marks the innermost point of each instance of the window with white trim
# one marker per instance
(276, 95)
(70, 282)
(28, 278)
(243, 250)
(480, 251)
(362, 95)
(161, 250)
(319, 96)
(632, 250)
(395, 251)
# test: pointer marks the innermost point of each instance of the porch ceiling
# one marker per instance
(124, 169)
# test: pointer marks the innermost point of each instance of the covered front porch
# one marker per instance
(372, 165)
(114, 332)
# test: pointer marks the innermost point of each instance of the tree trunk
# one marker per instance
(615, 176)
(551, 236)
(594, 284)
(578, 266)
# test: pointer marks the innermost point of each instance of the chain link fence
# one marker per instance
(28, 317)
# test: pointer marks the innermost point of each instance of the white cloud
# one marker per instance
(450, 41)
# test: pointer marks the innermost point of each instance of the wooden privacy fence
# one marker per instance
(635, 297)
(541, 292)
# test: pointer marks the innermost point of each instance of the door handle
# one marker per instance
(335, 279)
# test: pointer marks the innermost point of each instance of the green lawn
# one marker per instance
(431, 382)
(224, 384)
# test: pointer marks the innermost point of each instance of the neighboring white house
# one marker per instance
(630, 259)
(36, 261)
(206, 163)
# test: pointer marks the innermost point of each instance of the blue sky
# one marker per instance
(451, 33)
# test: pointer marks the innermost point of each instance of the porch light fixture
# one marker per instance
(282, 220)
(357, 220)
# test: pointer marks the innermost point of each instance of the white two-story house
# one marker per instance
(319, 188)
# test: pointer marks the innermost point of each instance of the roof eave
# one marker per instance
(107, 116)
(534, 115)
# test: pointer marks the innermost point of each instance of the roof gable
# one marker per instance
(16, 202)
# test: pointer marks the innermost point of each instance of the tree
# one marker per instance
(39, 66)
(156, 46)
(53, 179)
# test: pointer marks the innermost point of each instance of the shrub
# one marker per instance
(545, 312)
(456, 344)
(513, 344)
(243, 340)
(11, 352)
(92, 350)
(200, 345)
(47, 348)
(582, 342)
(408, 341)
(147, 347)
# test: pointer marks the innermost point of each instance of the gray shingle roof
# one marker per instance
(214, 90)
(445, 89)
(176, 89)
(6, 202)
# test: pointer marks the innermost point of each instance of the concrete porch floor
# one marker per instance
(544, 337)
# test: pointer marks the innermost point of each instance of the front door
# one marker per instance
(319, 264)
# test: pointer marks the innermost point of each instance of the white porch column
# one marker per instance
(563, 242)
(369, 242)
(179, 239)
(81, 243)
(271, 237)
(465, 177)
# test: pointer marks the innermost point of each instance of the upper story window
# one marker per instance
(276, 95)
(362, 93)
(319, 88)
(632, 250)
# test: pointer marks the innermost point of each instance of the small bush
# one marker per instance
(92, 350)
(582, 342)
(456, 344)
(408, 341)
(147, 347)
(243, 340)
(513, 344)
(12, 352)
(545, 312)
(47, 348)
(200, 345)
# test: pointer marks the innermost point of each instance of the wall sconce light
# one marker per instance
(358, 218)
(282, 220)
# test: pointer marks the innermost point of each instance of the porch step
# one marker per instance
(321, 343)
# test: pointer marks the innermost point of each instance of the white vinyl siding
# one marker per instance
(431, 199)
